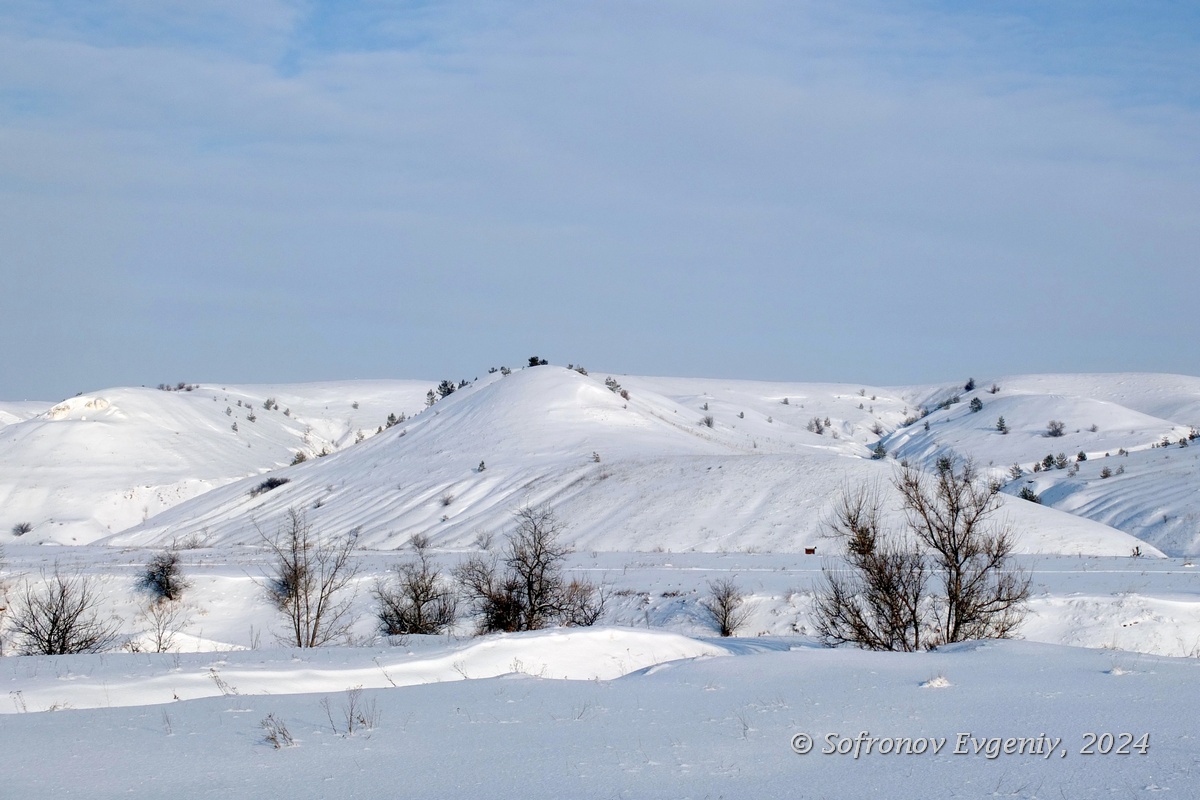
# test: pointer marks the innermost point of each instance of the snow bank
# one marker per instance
(134, 680)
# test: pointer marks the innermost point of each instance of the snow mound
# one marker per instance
(580, 654)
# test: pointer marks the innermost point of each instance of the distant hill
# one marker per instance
(628, 463)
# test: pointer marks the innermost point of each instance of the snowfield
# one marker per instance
(663, 485)
(1075, 723)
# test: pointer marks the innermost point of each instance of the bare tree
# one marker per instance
(726, 605)
(308, 576)
(879, 601)
(526, 590)
(419, 601)
(886, 598)
(61, 617)
(950, 512)
(534, 556)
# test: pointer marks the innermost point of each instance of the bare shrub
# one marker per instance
(534, 556)
(163, 577)
(583, 604)
(61, 617)
(725, 603)
(164, 619)
(495, 595)
(886, 598)
(22, 528)
(1055, 428)
(879, 601)
(307, 578)
(268, 485)
(525, 589)
(418, 601)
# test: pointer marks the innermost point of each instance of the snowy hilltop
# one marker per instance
(635, 463)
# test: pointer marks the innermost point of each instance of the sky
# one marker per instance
(870, 192)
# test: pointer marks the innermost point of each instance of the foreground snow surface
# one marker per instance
(696, 727)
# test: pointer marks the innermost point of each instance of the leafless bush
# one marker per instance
(418, 601)
(163, 577)
(308, 576)
(22, 528)
(884, 599)
(61, 617)
(193, 541)
(880, 602)
(495, 596)
(583, 603)
(164, 620)
(726, 605)
(483, 540)
(525, 590)
(1055, 428)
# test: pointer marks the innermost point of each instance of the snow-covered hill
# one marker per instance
(644, 472)
(641, 463)
(1104, 418)
(101, 462)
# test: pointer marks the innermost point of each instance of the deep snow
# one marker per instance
(657, 503)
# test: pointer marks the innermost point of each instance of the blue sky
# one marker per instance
(870, 192)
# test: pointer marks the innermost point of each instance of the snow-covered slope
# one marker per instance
(1097, 418)
(16, 412)
(1151, 493)
(1104, 416)
(99, 463)
(677, 464)
(641, 473)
